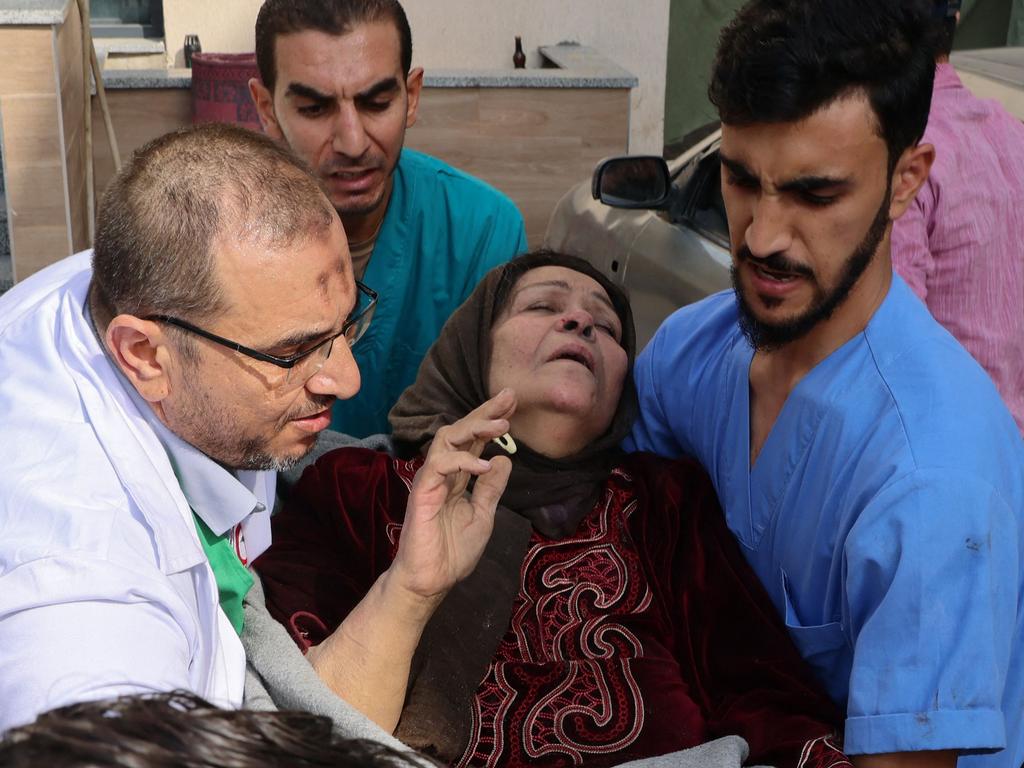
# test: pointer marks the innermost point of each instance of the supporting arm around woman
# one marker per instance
(366, 659)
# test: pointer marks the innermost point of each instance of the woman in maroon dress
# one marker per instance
(610, 616)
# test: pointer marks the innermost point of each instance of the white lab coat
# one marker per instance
(104, 586)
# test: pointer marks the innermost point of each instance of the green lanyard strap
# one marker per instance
(233, 579)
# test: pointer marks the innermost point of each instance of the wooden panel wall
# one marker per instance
(72, 98)
(139, 116)
(30, 117)
(533, 144)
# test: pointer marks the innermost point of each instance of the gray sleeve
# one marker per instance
(727, 752)
(279, 677)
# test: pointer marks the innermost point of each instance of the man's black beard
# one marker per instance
(359, 210)
(766, 337)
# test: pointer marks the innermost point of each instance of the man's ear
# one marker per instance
(140, 349)
(264, 101)
(910, 174)
(413, 86)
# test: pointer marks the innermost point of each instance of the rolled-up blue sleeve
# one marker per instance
(931, 573)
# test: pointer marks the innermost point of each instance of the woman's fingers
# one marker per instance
(445, 531)
(454, 455)
(452, 470)
(472, 431)
(489, 486)
(501, 406)
(452, 462)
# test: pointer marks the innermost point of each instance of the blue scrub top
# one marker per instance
(884, 515)
(443, 231)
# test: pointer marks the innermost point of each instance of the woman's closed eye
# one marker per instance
(541, 306)
(606, 326)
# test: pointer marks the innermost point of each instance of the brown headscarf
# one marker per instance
(554, 494)
(549, 495)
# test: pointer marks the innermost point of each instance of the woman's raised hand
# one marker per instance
(445, 529)
(366, 659)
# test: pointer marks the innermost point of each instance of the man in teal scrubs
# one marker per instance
(338, 87)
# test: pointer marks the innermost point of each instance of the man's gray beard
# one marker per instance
(254, 458)
(218, 440)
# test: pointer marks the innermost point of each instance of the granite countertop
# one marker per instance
(33, 12)
(571, 66)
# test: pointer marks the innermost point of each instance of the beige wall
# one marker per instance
(550, 139)
(475, 34)
(1011, 97)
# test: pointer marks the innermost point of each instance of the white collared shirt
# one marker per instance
(236, 501)
(104, 586)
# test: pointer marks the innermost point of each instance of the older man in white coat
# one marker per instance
(147, 393)
(136, 444)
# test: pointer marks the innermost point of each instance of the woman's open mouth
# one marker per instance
(575, 353)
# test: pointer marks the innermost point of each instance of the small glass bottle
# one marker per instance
(519, 58)
(191, 48)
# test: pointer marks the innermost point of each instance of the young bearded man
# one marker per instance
(864, 461)
(338, 86)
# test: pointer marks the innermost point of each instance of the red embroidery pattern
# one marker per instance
(568, 650)
(393, 531)
(406, 471)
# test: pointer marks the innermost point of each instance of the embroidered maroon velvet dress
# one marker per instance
(643, 633)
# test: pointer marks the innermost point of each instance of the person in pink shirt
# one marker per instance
(960, 246)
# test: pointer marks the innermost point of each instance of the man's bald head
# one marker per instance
(181, 194)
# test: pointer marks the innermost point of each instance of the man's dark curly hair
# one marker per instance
(181, 730)
(780, 61)
(944, 23)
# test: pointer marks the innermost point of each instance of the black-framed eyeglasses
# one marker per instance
(353, 329)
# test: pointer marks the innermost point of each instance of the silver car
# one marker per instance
(657, 228)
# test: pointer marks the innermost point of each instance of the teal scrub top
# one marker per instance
(443, 231)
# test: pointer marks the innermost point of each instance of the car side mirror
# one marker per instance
(638, 181)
